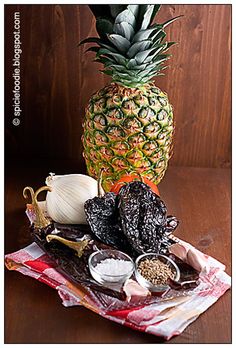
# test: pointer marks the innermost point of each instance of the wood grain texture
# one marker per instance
(199, 197)
(58, 78)
(198, 83)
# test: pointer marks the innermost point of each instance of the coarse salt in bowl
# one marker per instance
(110, 266)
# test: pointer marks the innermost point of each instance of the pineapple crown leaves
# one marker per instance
(131, 47)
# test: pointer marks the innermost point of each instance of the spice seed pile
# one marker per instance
(155, 271)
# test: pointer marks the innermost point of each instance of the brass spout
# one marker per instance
(40, 220)
(77, 246)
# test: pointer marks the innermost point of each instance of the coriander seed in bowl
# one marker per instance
(153, 271)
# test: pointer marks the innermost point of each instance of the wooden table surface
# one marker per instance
(199, 197)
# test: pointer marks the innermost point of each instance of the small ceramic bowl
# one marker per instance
(107, 278)
(146, 283)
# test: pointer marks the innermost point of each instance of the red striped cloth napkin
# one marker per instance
(167, 317)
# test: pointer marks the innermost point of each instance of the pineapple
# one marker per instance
(128, 125)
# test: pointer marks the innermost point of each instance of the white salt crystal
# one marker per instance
(114, 267)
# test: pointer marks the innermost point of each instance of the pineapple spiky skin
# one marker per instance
(127, 130)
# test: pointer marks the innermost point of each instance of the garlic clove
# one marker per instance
(179, 250)
(135, 290)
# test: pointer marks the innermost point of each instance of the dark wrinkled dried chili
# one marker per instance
(103, 217)
(143, 218)
(134, 221)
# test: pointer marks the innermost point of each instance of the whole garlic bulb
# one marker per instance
(65, 202)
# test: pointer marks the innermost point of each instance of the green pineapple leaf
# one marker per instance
(142, 10)
(150, 66)
(99, 42)
(131, 48)
(134, 9)
(117, 67)
(162, 57)
(131, 63)
(117, 57)
(147, 17)
(160, 46)
(169, 44)
(139, 67)
(159, 35)
(126, 16)
(124, 29)
(124, 75)
(170, 21)
(155, 10)
(89, 40)
(107, 61)
(163, 37)
(92, 49)
(145, 34)
(120, 42)
(162, 67)
(141, 56)
(145, 72)
(138, 47)
(112, 49)
(107, 72)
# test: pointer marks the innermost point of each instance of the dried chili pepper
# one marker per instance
(103, 218)
(134, 221)
(143, 218)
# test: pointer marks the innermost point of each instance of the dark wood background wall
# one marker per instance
(57, 79)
